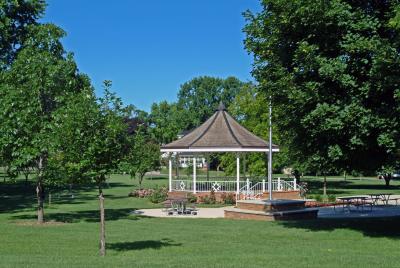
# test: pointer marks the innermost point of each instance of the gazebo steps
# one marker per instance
(270, 205)
(245, 214)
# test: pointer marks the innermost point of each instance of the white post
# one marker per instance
(270, 150)
(279, 184)
(247, 185)
(237, 174)
(194, 174)
(263, 186)
(294, 184)
(170, 173)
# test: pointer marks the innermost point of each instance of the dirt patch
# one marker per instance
(34, 223)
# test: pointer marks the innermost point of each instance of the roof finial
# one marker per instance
(221, 106)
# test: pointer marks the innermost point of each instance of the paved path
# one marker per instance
(359, 213)
(209, 213)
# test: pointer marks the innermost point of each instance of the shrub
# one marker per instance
(191, 198)
(159, 195)
(332, 198)
(141, 193)
(213, 199)
(228, 198)
(318, 198)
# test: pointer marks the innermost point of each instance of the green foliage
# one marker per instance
(331, 198)
(92, 135)
(35, 86)
(191, 198)
(159, 195)
(333, 71)
(16, 17)
(228, 198)
(197, 101)
(318, 198)
(143, 156)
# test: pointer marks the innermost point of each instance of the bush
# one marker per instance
(141, 193)
(191, 198)
(228, 198)
(332, 198)
(159, 195)
(318, 198)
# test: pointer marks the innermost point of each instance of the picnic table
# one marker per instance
(384, 197)
(179, 206)
(357, 201)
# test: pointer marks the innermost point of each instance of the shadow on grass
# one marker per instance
(145, 244)
(383, 227)
(16, 196)
(85, 215)
(342, 187)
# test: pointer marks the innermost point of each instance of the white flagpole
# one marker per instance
(270, 150)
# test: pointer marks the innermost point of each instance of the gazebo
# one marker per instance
(222, 133)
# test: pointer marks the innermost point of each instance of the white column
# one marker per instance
(263, 186)
(294, 184)
(170, 173)
(237, 174)
(194, 174)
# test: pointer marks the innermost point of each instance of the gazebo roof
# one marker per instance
(220, 133)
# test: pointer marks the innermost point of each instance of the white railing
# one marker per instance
(246, 187)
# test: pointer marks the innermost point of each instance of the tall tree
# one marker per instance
(93, 138)
(333, 70)
(31, 90)
(16, 16)
(199, 97)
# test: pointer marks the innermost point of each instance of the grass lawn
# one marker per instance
(151, 242)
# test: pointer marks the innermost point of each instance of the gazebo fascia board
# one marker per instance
(215, 149)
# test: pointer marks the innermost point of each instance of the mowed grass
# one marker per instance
(136, 241)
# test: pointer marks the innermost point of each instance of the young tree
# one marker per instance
(143, 156)
(31, 90)
(333, 70)
(92, 138)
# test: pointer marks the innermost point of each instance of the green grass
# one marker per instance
(150, 242)
(351, 186)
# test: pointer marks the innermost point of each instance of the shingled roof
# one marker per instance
(220, 133)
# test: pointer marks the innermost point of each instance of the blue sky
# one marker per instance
(149, 48)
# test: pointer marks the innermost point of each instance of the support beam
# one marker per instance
(194, 173)
(170, 172)
(237, 174)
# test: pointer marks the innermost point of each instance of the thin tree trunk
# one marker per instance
(324, 185)
(102, 224)
(40, 193)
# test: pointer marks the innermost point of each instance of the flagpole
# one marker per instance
(270, 150)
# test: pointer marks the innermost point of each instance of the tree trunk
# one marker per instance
(102, 225)
(345, 176)
(387, 178)
(324, 185)
(40, 192)
(40, 198)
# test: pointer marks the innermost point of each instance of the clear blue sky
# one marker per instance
(148, 48)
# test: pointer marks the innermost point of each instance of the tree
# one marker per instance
(332, 69)
(31, 90)
(93, 138)
(165, 121)
(199, 97)
(16, 17)
(143, 156)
